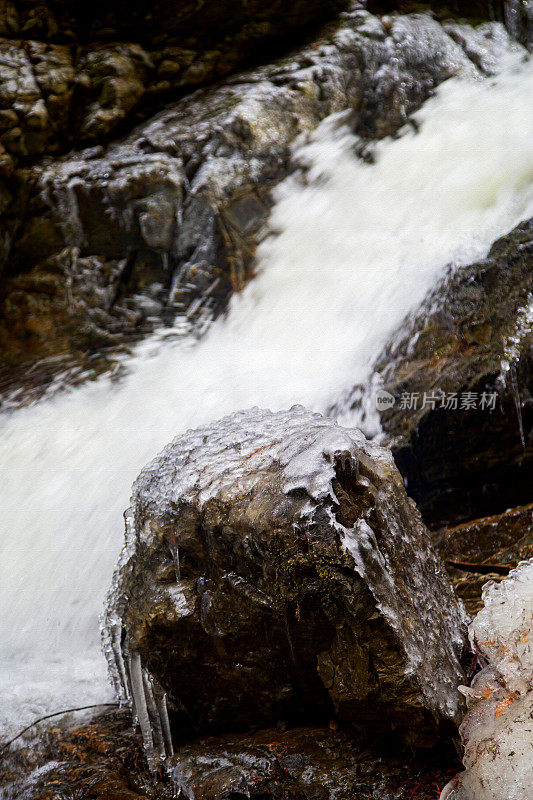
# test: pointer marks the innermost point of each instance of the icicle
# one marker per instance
(173, 542)
(153, 714)
(141, 710)
(518, 404)
(161, 701)
(121, 679)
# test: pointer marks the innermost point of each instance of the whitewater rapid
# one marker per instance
(353, 248)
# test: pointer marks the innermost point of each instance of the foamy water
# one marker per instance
(354, 249)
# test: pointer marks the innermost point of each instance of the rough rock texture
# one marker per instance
(484, 549)
(274, 568)
(312, 763)
(516, 14)
(472, 334)
(187, 193)
(102, 758)
(78, 71)
(497, 731)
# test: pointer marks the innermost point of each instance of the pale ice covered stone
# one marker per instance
(498, 728)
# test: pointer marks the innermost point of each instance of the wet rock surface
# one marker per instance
(78, 72)
(485, 549)
(516, 14)
(187, 193)
(102, 758)
(275, 569)
(313, 763)
(472, 335)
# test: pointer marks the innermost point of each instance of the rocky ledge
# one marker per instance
(103, 759)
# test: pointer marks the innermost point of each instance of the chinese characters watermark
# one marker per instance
(437, 398)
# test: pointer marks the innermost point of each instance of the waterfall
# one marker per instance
(354, 247)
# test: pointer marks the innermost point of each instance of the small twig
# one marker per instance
(481, 567)
(49, 716)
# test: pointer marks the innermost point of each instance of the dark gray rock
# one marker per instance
(471, 334)
(518, 15)
(274, 568)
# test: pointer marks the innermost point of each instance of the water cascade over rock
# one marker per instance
(187, 192)
(274, 568)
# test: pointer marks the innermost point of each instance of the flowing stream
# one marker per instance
(354, 247)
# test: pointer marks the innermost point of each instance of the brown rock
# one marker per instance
(485, 549)
(188, 191)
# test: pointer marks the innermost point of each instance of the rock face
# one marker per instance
(187, 192)
(78, 72)
(497, 729)
(485, 549)
(518, 16)
(471, 335)
(274, 568)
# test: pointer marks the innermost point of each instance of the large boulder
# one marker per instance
(516, 14)
(187, 191)
(80, 70)
(461, 373)
(274, 568)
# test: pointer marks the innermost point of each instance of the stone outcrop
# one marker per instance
(274, 568)
(77, 71)
(312, 763)
(471, 334)
(516, 14)
(187, 193)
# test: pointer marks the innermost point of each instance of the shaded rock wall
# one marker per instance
(471, 334)
(485, 549)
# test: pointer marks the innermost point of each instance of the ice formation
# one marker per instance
(498, 728)
(297, 454)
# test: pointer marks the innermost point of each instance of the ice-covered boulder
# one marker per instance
(274, 568)
(498, 728)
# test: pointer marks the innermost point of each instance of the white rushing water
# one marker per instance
(354, 249)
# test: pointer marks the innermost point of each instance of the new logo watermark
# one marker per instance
(384, 400)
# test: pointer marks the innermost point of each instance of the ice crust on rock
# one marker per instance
(498, 729)
(292, 459)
